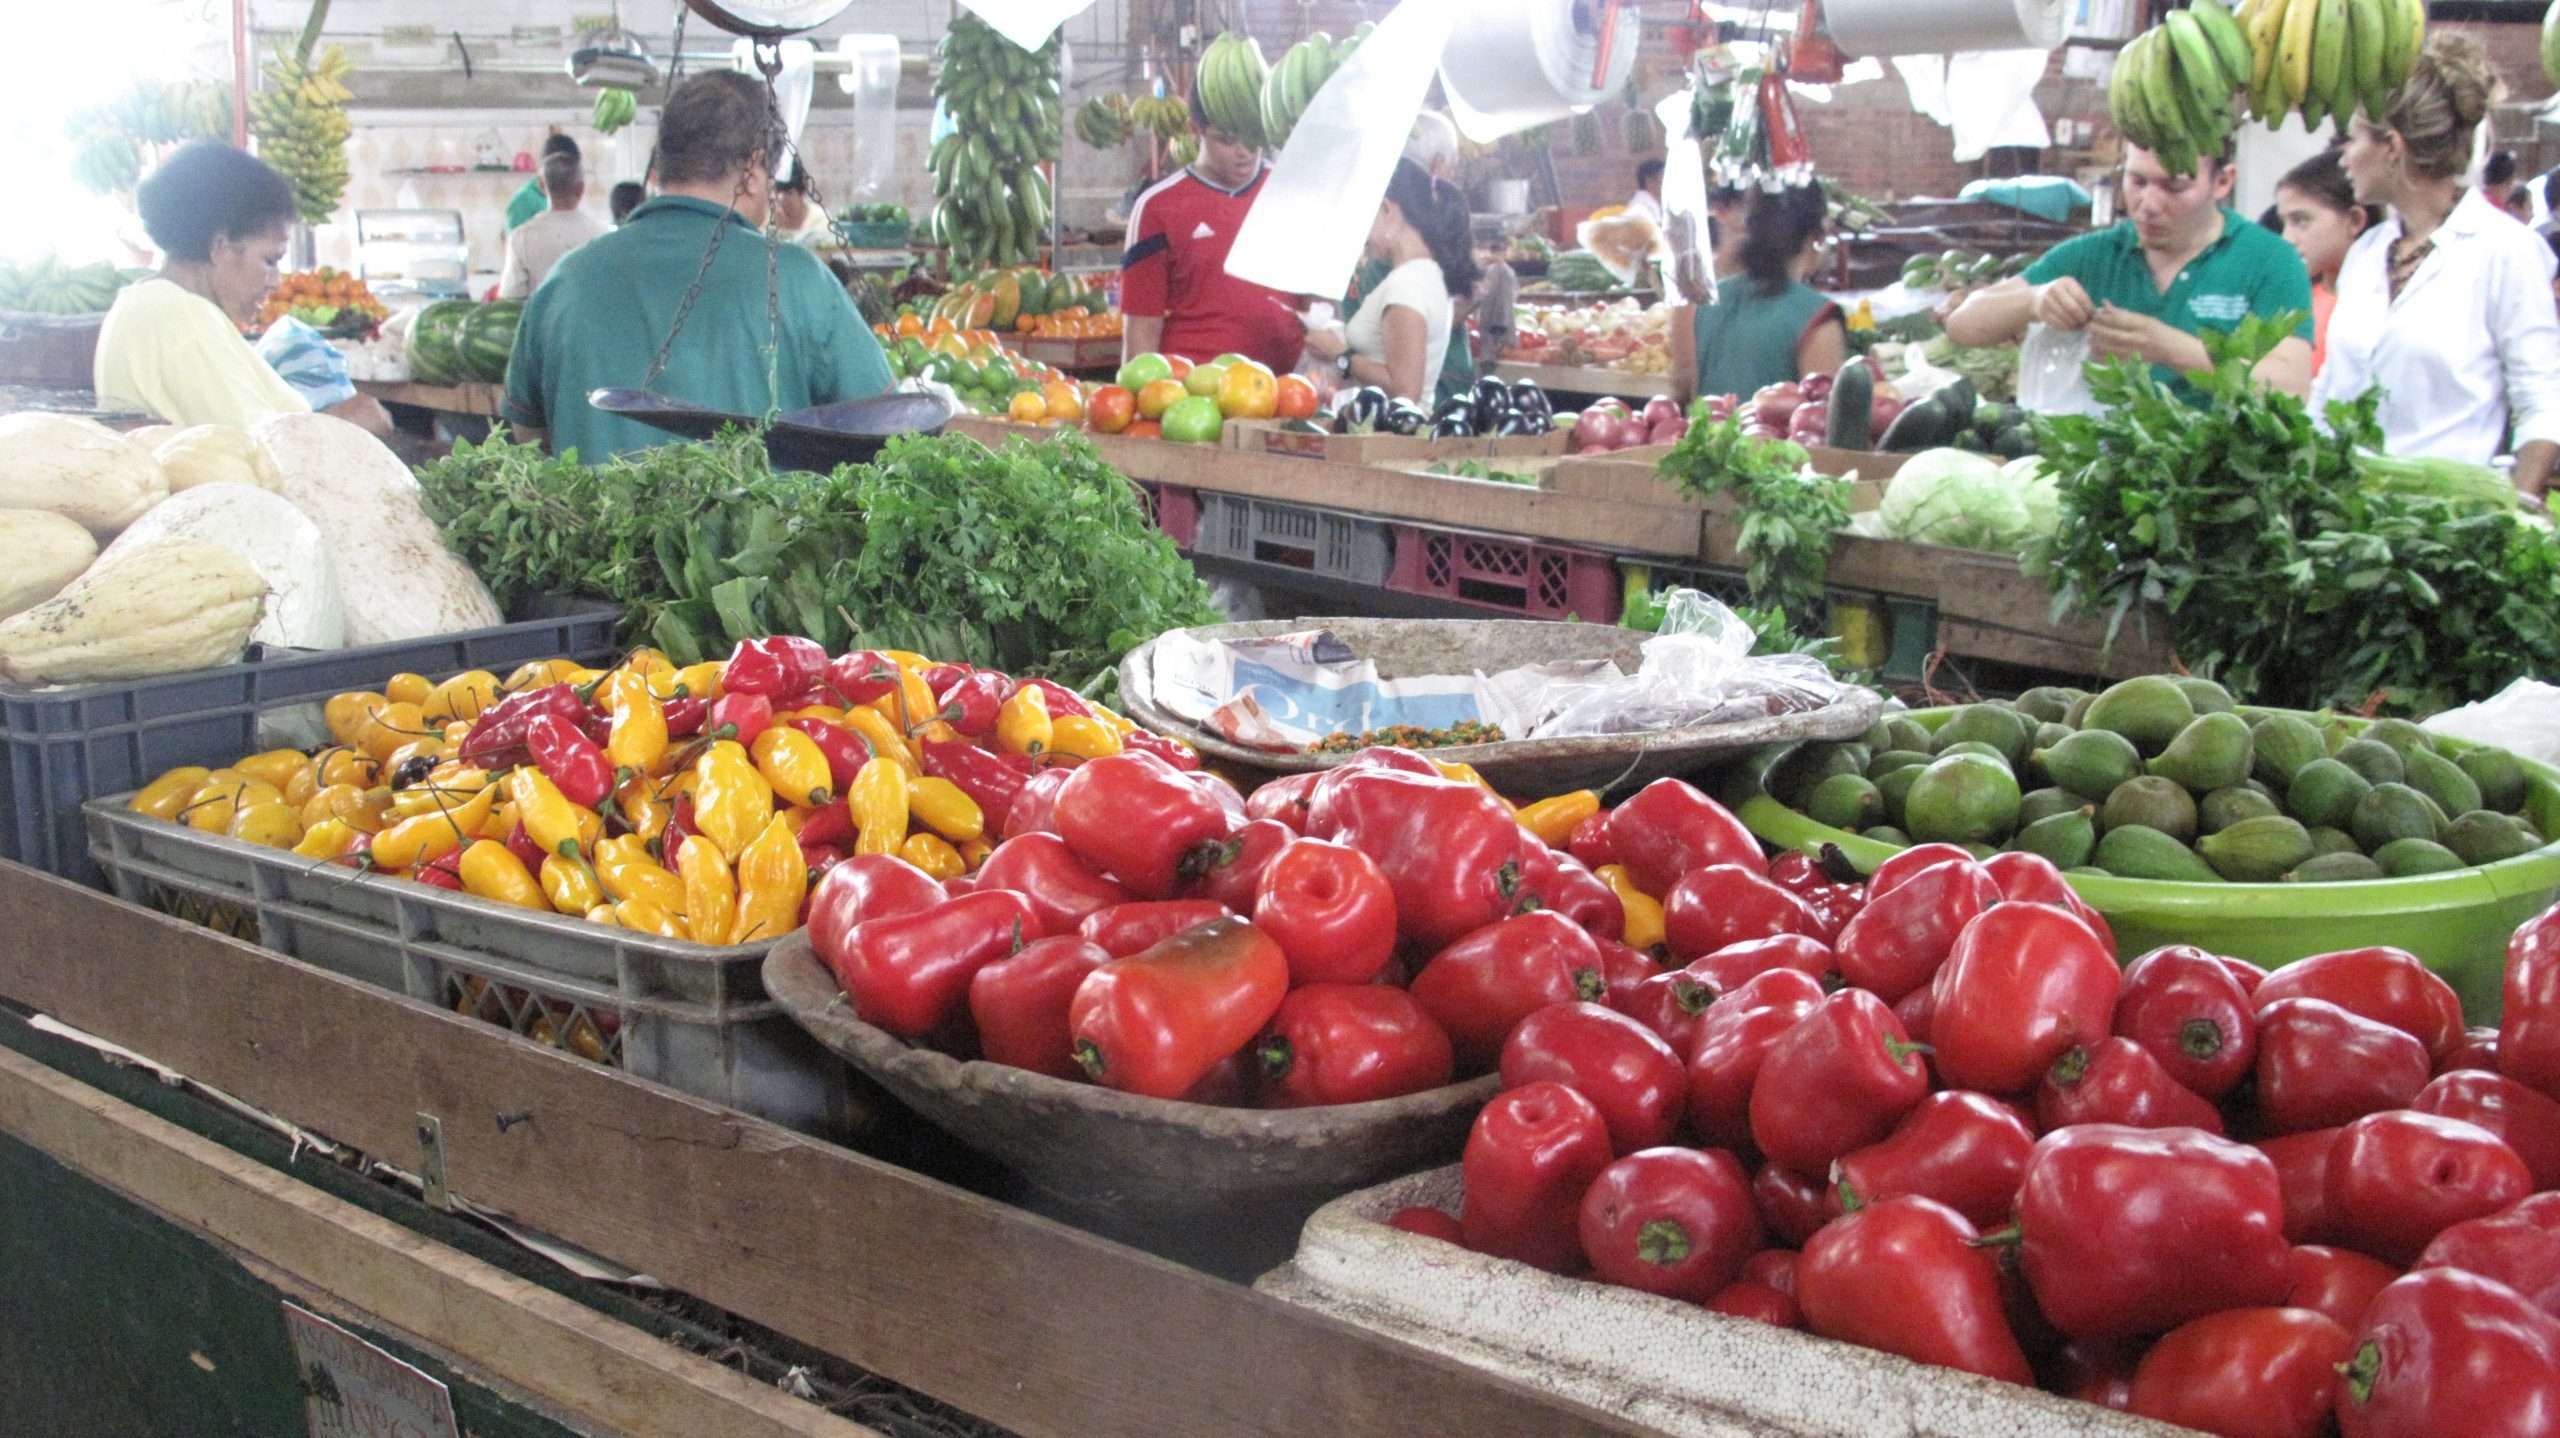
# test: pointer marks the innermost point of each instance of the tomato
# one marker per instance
(1296, 398)
(1158, 395)
(1247, 391)
(1112, 409)
(1194, 420)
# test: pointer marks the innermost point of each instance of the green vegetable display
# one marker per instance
(1955, 497)
(1788, 511)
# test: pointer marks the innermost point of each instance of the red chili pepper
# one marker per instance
(1329, 909)
(1284, 801)
(2302, 1171)
(496, 739)
(1792, 1204)
(2023, 983)
(859, 677)
(1351, 1043)
(1799, 873)
(1436, 1223)
(1590, 843)
(1726, 904)
(2125, 1231)
(2341, 1283)
(1757, 1301)
(1899, 941)
(2095, 1370)
(2444, 1352)
(845, 751)
(527, 852)
(2320, 1066)
(938, 677)
(1138, 820)
(1772, 1268)
(866, 887)
(742, 717)
(1125, 929)
(820, 860)
(1672, 1221)
(2518, 1246)
(1481, 986)
(2529, 1018)
(1610, 1059)
(1157, 1022)
(1966, 1150)
(2117, 1081)
(1730, 967)
(1232, 1082)
(778, 668)
(1019, 1004)
(1232, 874)
(969, 703)
(443, 871)
(2522, 1119)
(1530, 1156)
(1045, 872)
(1904, 1276)
(1669, 828)
(987, 779)
(910, 973)
(1836, 1082)
(1556, 881)
(670, 845)
(1450, 851)
(1622, 972)
(1672, 1003)
(2247, 1373)
(570, 760)
(2184, 1006)
(1909, 864)
(2398, 1179)
(1034, 809)
(2032, 879)
(685, 717)
(2388, 986)
(2478, 1050)
(1172, 751)
(830, 827)
(1732, 1043)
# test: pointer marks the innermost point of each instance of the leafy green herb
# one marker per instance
(1788, 511)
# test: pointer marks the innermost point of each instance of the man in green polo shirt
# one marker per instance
(2182, 262)
(531, 201)
(610, 304)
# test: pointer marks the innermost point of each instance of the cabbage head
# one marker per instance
(1965, 500)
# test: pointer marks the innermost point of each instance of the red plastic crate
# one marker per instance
(1177, 513)
(1507, 574)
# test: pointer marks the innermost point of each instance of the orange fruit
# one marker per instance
(1158, 397)
(909, 326)
(1027, 407)
(1063, 400)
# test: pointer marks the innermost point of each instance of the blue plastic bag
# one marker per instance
(307, 361)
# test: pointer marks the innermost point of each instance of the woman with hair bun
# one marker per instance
(1766, 325)
(2446, 305)
(1399, 337)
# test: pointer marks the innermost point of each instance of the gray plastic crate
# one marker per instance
(689, 1016)
(1293, 536)
(62, 747)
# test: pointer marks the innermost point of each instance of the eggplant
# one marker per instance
(1530, 398)
(1519, 422)
(1365, 411)
(1456, 418)
(1406, 417)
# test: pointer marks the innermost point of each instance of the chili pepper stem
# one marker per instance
(1998, 1238)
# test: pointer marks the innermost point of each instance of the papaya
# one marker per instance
(2078, 714)
(1961, 798)
(2207, 696)
(2442, 780)
(2335, 869)
(2279, 745)
(2378, 762)
(2500, 777)
(2223, 808)
(1006, 294)
(1997, 725)
(2325, 791)
(2149, 710)
(2048, 735)
(1852, 422)
(2091, 763)
(2211, 753)
(2067, 839)
(2392, 811)
(2137, 851)
(2151, 802)
(1845, 801)
(2408, 858)
(2257, 851)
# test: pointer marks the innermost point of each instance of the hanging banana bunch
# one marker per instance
(300, 121)
(991, 201)
(1301, 72)
(1103, 122)
(110, 138)
(615, 108)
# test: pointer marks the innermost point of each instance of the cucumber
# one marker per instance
(1853, 395)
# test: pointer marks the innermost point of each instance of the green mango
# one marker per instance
(2046, 703)
(1845, 801)
(2067, 838)
(2256, 851)
(2326, 840)
(1978, 850)
(1878, 738)
(2481, 837)
(2091, 763)
(2211, 753)
(1815, 763)
(2078, 714)
(2401, 735)
(2408, 858)
(2149, 710)
(2442, 780)
(2048, 735)
(2280, 744)
(1992, 752)
(1886, 834)
(1961, 798)
(2223, 808)
(2045, 803)
(2207, 696)
(2378, 762)
(2500, 777)
(1998, 725)
(2151, 802)
(2325, 792)
(1892, 759)
(2393, 811)
(1893, 787)
(2335, 869)
(2137, 851)
(1910, 733)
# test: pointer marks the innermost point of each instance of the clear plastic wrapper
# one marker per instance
(1697, 670)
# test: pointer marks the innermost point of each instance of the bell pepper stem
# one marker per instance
(1275, 1056)
(2360, 1370)
(2200, 1038)
(2008, 1237)
(1089, 1057)
(1662, 1242)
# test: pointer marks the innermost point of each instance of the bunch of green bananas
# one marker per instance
(1103, 122)
(109, 162)
(2329, 58)
(2172, 89)
(1229, 84)
(992, 203)
(169, 114)
(1301, 72)
(48, 287)
(615, 108)
(301, 124)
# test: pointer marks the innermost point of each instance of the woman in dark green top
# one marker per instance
(1766, 324)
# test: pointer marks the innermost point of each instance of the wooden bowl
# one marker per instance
(1108, 1152)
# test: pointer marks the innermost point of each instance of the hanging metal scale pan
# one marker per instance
(768, 19)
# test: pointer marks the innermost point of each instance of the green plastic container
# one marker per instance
(2457, 922)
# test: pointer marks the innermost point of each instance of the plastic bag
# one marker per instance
(308, 362)
(2523, 718)
(2053, 372)
(1697, 670)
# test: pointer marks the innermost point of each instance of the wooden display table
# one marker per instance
(1586, 379)
(483, 400)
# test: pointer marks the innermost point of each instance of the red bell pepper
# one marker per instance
(1773, 1268)
(1172, 751)
(2443, 1352)
(1125, 929)
(1916, 1009)
(1757, 1301)
(2529, 1017)
(2522, 1119)
(1227, 797)
(1436, 1223)
(1035, 804)
(496, 739)
(1622, 970)
(1351, 1043)
(2117, 1081)
(1530, 1156)
(1669, 828)
(845, 751)
(1620, 1065)
(1730, 967)
(1905, 1276)
(938, 677)
(1040, 868)
(830, 827)
(2320, 1066)
(910, 973)
(1732, 1043)
(2126, 1231)
(1966, 1150)
(859, 677)
(2023, 983)
(1482, 985)
(2185, 1007)
(863, 888)
(969, 703)
(2388, 986)
(2095, 1370)
(1327, 906)
(570, 760)
(742, 717)
(2302, 1171)
(1284, 800)
(2339, 1282)
(1799, 873)
(1557, 882)
(1671, 1003)
(1233, 1082)
(670, 845)
(1136, 819)
(2398, 1179)
(1671, 1221)
(2478, 1050)
(1020, 1005)
(778, 668)
(2245, 1373)
(1908, 864)
(1725, 904)
(1836, 1082)
(1834, 905)
(1590, 843)
(2032, 879)
(1158, 1022)
(1794, 1205)
(2518, 1246)
(1898, 941)
(1450, 851)
(990, 781)
(686, 717)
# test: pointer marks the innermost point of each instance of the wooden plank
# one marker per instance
(530, 1338)
(476, 399)
(1072, 355)
(1585, 379)
(1027, 1323)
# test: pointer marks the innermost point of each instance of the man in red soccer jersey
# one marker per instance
(1175, 291)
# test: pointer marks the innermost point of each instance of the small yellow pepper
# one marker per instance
(975, 852)
(827, 712)
(425, 838)
(1083, 738)
(501, 823)
(404, 760)
(930, 853)
(1022, 723)
(916, 705)
(461, 697)
(391, 728)
(1643, 911)
(492, 871)
(1553, 819)
(408, 688)
(772, 880)
(794, 765)
(349, 766)
(604, 914)
(710, 892)
(642, 811)
(946, 809)
(937, 732)
(582, 679)
(220, 800)
(627, 871)
(545, 812)
(641, 916)
(536, 674)
(1466, 774)
(570, 885)
(276, 766)
(304, 783)
(878, 798)
(731, 801)
(882, 736)
(346, 715)
(438, 793)
(702, 681)
(168, 795)
(638, 739)
(270, 824)
(794, 819)
(325, 840)
(364, 811)
(1107, 716)
(646, 661)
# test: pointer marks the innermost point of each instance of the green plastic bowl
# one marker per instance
(2457, 922)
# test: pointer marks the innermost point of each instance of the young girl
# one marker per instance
(2321, 219)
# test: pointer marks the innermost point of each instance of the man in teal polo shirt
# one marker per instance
(605, 310)
(2182, 262)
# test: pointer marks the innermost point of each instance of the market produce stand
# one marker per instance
(1585, 379)
(482, 400)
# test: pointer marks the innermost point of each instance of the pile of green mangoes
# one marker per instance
(2161, 777)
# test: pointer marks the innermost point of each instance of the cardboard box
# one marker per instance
(1263, 436)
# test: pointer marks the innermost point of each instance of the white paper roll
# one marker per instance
(1944, 27)
(1515, 64)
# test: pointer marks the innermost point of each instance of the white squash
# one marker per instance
(396, 579)
(77, 468)
(44, 552)
(150, 435)
(214, 454)
(157, 608)
(278, 540)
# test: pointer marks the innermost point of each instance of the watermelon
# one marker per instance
(488, 337)
(1035, 294)
(435, 354)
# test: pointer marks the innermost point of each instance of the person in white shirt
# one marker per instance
(2446, 305)
(798, 219)
(1399, 338)
(1647, 200)
(536, 245)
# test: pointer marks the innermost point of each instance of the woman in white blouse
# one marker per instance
(1400, 335)
(2447, 304)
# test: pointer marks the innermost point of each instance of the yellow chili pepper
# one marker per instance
(794, 765)
(913, 698)
(641, 916)
(1022, 723)
(492, 871)
(363, 810)
(408, 688)
(1466, 774)
(931, 854)
(627, 871)
(937, 732)
(731, 801)
(772, 880)
(710, 892)
(646, 661)
(638, 740)
(1644, 912)
(582, 678)
(392, 726)
(642, 811)
(500, 824)
(570, 885)
(270, 823)
(304, 783)
(404, 759)
(1553, 819)
(883, 737)
(165, 796)
(604, 914)
(1111, 718)
(276, 766)
(545, 812)
(794, 819)
(348, 766)
(325, 840)
(461, 697)
(702, 681)
(536, 674)
(946, 809)
(878, 797)
(213, 807)
(426, 838)
(975, 852)
(1084, 738)
(346, 715)
(906, 658)
(438, 793)
(827, 712)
